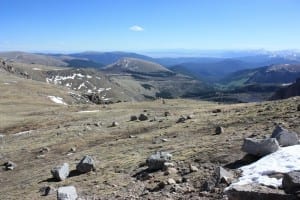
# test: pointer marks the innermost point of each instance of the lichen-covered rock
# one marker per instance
(157, 161)
(61, 172)
(260, 147)
(86, 164)
(285, 137)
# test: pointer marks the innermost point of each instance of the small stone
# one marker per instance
(143, 117)
(132, 136)
(168, 164)
(73, 149)
(61, 172)
(86, 164)
(181, 119)
(67, 193)
(171, 181)
(167, 113)
(114, 124)
(157, 161)
(193, 168)
(10, 165)
(219, 130)
(190, 117)
(133, 118)
(171, 170)
(165, 140)
(48, 190)
(44, 150)
(224, 176)
(218, 110)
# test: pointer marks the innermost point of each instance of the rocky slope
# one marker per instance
(38, 134)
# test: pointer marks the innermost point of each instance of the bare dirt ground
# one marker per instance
(120, 152)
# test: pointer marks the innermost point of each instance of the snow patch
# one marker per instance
(22, 133)
(286, 84)
(36, 69)
(88, 76)
(88, 111)
(81, 85)
(284, 160)
(97, 77)
(58, 100)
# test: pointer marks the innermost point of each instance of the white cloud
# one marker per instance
(136, 28)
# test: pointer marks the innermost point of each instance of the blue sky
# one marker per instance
(139, 25)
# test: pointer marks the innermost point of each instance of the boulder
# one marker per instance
(61, 172)
(67, 193)
(157, 161)
(285, 137)
(291, 182)
(86, 164)
(224, 176)
(250, 192)
(219, 130)
(10, 165)
(260, 147)
(143, 117)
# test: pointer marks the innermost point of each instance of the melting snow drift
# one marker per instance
(284, 160)
(58, 100)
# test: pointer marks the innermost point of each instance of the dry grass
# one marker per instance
(24, 107)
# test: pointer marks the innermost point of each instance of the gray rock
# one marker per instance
(133, 118)
(86, 164)
(61, 172)
(224, 176)
(143, 117)
(291, 182)
(260, 147)
(219, 130)
(67, 193)
(285, 137)
(10, 165)
(251, 192)
(157, 161)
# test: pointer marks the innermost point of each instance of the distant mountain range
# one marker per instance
(141, 77)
